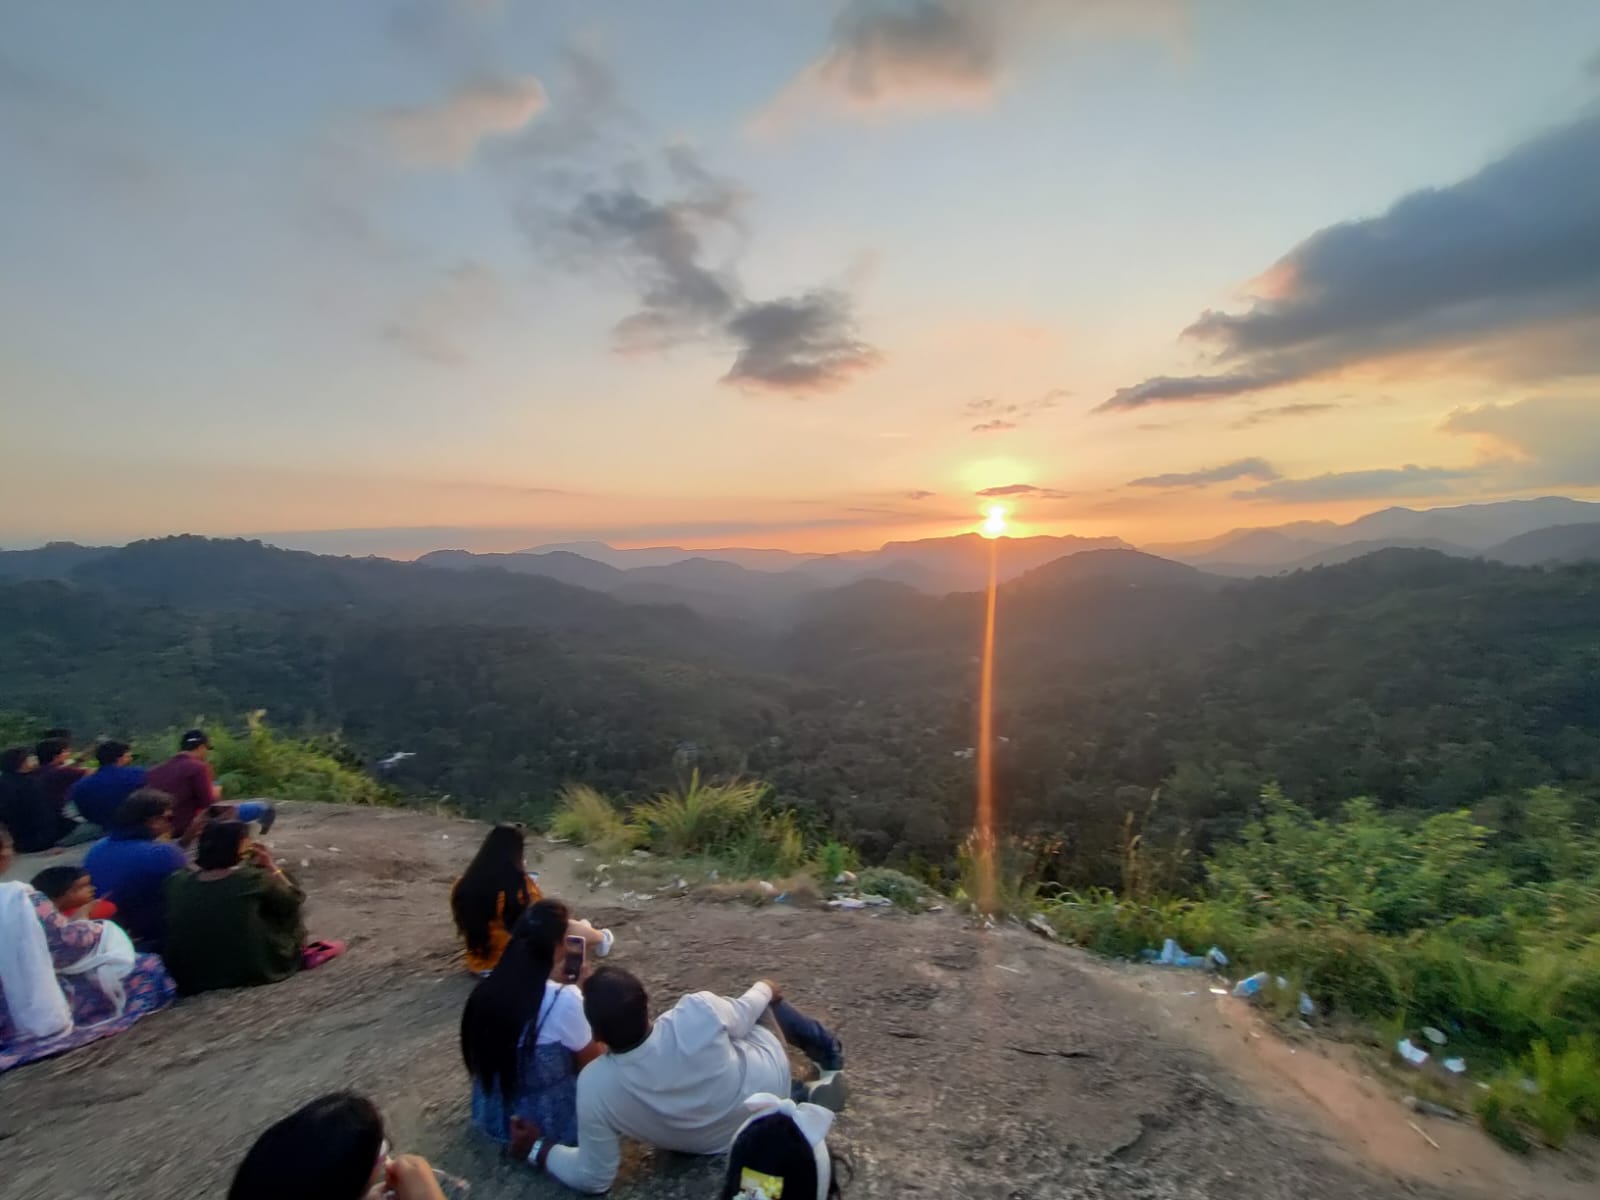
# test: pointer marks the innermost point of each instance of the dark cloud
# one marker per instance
(802, 344)
(1023, 489)
(676, 231)
(1244, 468)
(1263, 415)
(1470, 269)
(661, 245)
(1169, 389)
(1409, 480)
(998, 425)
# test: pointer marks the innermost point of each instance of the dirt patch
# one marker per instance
(984, 1064)
(1332, 1089)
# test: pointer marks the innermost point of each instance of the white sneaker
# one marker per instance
(607, 940)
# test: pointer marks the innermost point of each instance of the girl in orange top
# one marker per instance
(495, 890)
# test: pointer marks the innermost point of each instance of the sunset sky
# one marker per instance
(790, 272)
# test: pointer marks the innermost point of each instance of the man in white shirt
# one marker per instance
(681, 1082)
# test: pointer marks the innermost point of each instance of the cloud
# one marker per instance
(661, 245)
(801, 344)
(447, 133)
(1409, 480)
(74, 131)
(1006, 416)
(896, 56)
(1023, 489)
(1168, 389)
(1469, 272)
(919, 495)
(1244, 468)
(798, 344)
(462, 300)
(934, 52)
(1549, 441)
(1263, 415)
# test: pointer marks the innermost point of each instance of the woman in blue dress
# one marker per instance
(524, 1037)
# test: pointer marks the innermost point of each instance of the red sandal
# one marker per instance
(317, 953)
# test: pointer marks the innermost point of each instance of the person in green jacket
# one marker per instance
(236, 920)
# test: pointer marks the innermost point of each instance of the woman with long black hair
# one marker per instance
(524, 1037)
(492, 895)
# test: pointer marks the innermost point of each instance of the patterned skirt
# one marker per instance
(546, 1094)
(149, 988)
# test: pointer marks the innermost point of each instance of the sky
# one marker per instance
(392, 276)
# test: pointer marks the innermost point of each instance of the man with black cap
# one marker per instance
(187, 778)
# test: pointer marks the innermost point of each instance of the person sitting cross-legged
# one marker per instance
(681, 1082)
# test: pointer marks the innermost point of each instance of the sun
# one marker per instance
(994, 522)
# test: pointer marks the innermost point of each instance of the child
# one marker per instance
(72, 892)
(781, 1153)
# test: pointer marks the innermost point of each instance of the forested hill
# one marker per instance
(1421, 680)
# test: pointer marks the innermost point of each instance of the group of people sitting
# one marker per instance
(563, 1057)
(87, 950)
(565, 1060)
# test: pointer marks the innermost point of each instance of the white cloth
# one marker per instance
(812, 1120)
(34, 998)
(684, 1089)
(108, 965)
(561, 1020)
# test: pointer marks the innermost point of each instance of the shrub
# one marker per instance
(701, 818)
(586, 817)
(1553, 1092)
(906, 892)
(833, 859)
(262, 763)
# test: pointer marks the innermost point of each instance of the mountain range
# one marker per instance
(775, 588)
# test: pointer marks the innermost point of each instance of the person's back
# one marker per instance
(684, 1088)
(188, 781)
(24, 808)
(98, 796)
(131, 866)
(231, 924)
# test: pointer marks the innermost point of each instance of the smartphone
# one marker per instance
(572, 968)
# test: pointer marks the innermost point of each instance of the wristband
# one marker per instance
(533, 1155)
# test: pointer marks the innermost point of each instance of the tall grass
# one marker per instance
(584, 816)
(701, 817)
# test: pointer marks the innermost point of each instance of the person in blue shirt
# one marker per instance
(131, 866)
(97, 797)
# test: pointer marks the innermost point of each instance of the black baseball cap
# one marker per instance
(194, 739)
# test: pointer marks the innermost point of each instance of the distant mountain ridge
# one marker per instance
(1462, 530)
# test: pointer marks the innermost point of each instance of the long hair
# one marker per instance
(496, 871)
(773, 1145)
(327, 1150)
(501, 1006)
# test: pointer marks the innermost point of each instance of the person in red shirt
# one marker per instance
(187, 778)
(57, 771)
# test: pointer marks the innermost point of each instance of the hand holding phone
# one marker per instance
(572, 965)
